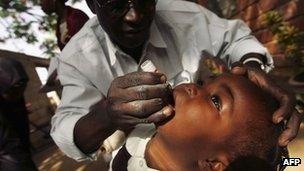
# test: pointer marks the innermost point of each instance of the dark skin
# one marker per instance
(14, 93)
(252, 71)
(54, 6)
(138, 97)
(206, 117)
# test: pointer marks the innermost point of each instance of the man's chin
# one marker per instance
(132, 40)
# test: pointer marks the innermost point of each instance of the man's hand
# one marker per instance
(286, 110)
(139, 97)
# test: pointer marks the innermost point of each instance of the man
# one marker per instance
(102, 91)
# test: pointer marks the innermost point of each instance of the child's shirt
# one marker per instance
(132, 155)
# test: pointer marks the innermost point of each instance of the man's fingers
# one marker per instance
(239, 70)
(139, 108)
(286, 109)
(140, 78)
(286, 100)
(145, 92)
(129, 122)
(291, 130)
(161, 115)
(223, 68)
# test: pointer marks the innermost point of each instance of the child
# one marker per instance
(214, 124)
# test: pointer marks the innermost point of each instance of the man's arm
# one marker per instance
(92, 129)
(78, 98)
(85, 117)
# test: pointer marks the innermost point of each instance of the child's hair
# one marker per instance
(249, 163)
(260, 136)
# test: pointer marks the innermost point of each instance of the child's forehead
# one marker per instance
(244, 91)
(233, 81)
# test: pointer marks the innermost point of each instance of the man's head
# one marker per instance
(224, 119)
(127, 22)
(13, 79)
(51, 6)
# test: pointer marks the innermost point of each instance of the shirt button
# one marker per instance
(141, 163)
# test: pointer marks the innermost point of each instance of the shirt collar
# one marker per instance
(111, 49)
(156, 38)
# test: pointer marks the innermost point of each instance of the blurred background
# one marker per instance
(33, 32)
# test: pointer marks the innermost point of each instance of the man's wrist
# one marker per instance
(254, 64)
(254, 60)
(92, 129)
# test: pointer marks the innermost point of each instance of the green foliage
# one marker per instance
(289, 37)
(18, 17)
(48, 46)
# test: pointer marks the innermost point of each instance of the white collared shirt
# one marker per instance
(180, 31)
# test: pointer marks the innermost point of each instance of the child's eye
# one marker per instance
(217, 102)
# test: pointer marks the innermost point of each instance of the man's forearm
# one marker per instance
(92, 129)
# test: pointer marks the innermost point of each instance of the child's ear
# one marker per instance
(219, 163)
(211, 166)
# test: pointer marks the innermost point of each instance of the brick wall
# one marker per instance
(251, 12)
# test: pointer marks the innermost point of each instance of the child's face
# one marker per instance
(206, 117)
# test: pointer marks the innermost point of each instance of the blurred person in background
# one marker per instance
(13, 81)
(14, 123)
(14, 156)
(69, 21)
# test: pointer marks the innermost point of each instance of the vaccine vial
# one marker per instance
(148, 66)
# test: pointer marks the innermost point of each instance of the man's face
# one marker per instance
(15, 92)
(127, 22)
(206, 117)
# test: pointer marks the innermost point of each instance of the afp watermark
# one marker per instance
(291, 161)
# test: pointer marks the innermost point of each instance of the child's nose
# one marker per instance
(191, 89)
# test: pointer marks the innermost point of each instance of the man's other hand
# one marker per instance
(286, 110)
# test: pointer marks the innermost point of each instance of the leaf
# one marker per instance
(12, 14)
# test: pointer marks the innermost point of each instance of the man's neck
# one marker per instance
(159, 156)
(135, 53)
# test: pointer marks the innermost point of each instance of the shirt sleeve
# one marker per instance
(235, 39)
(78, 96)
(241, 42)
